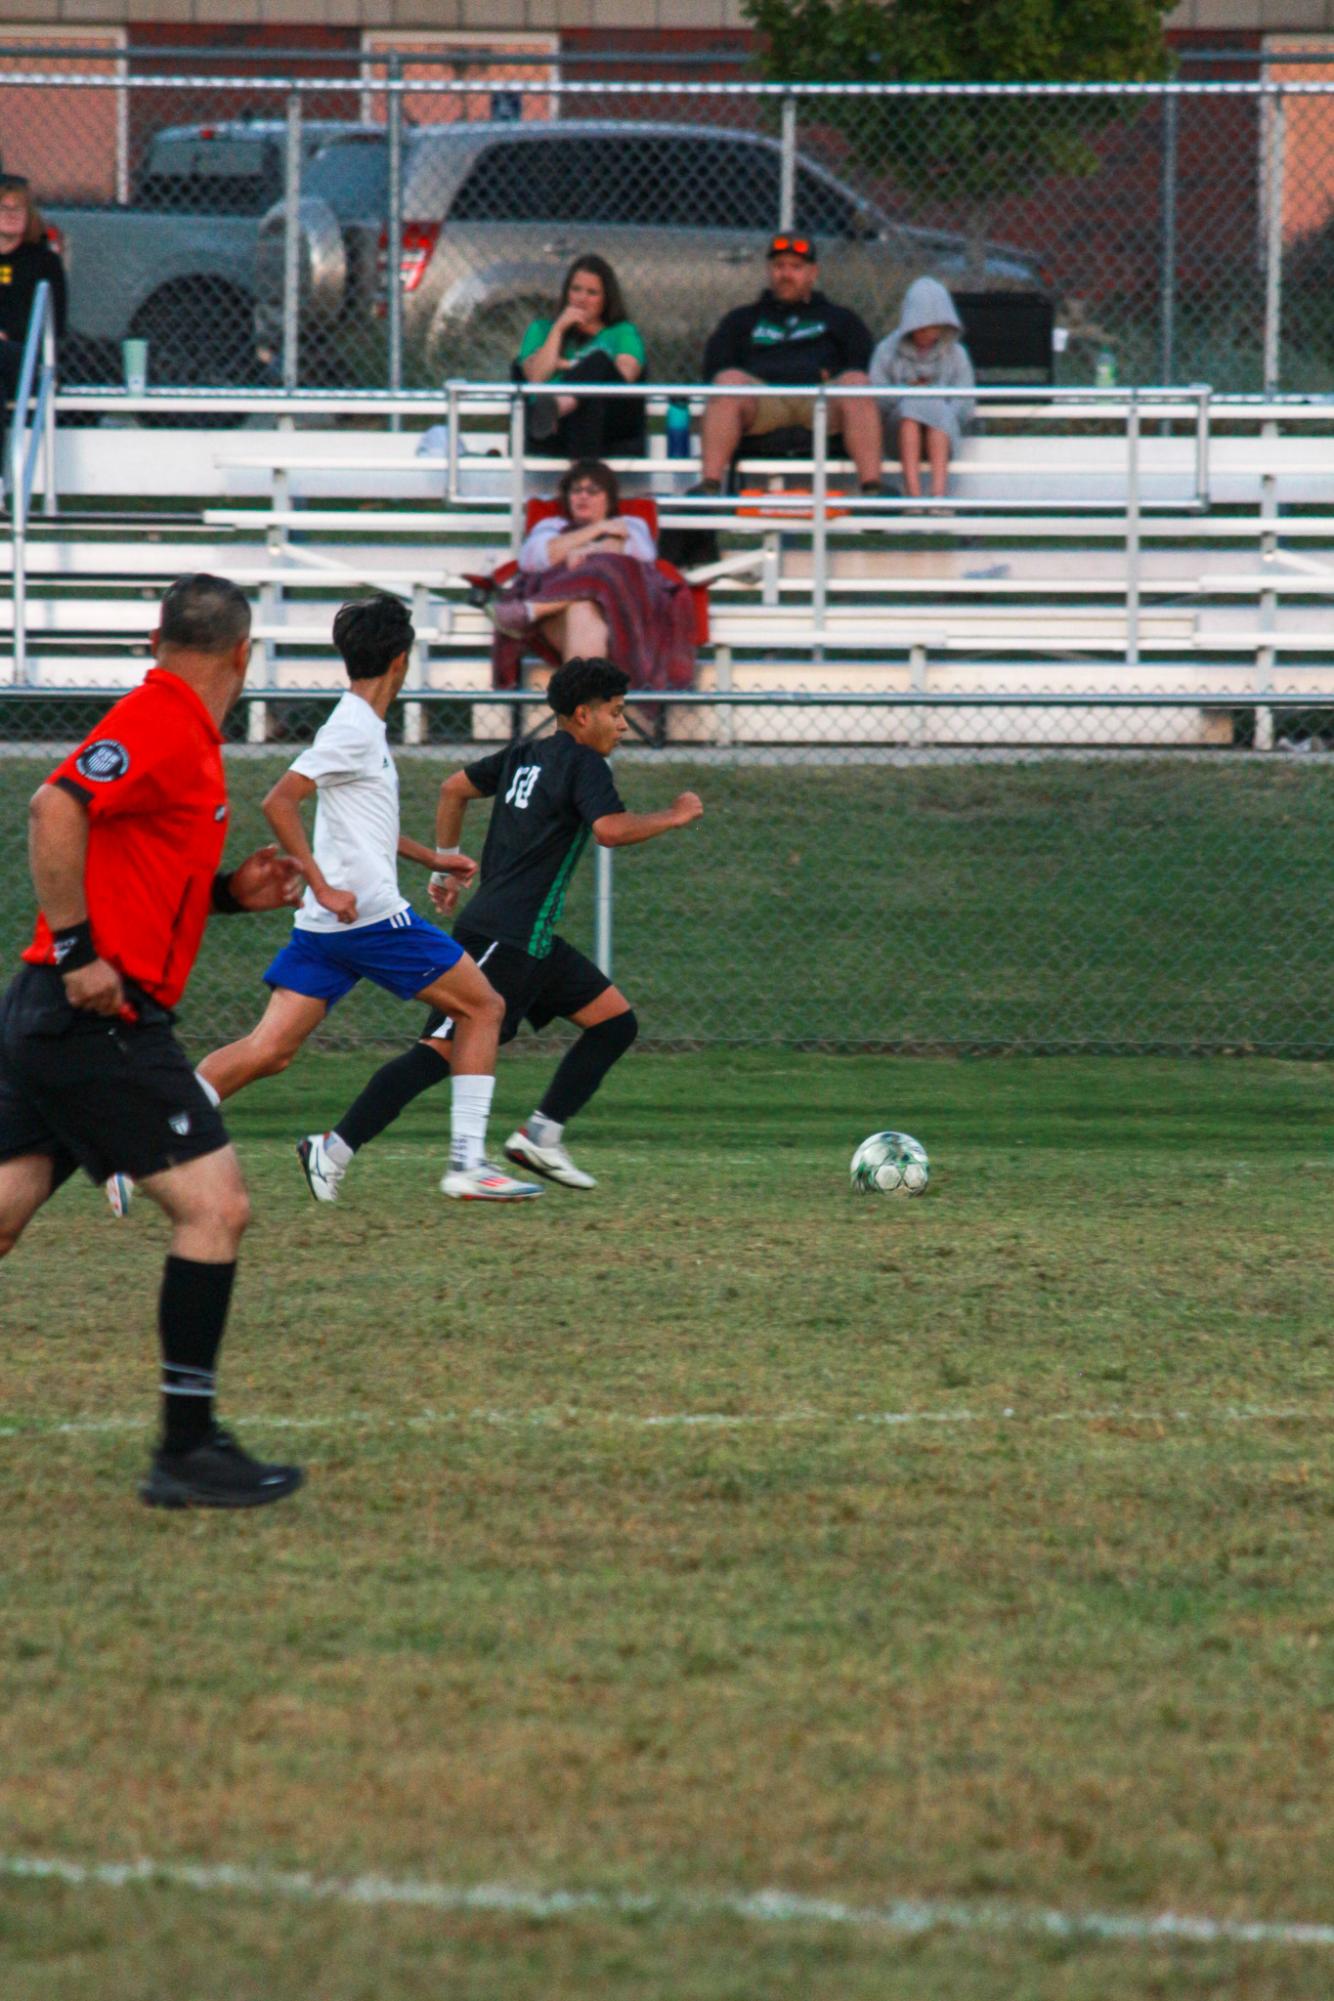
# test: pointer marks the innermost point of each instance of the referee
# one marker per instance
(125, 842)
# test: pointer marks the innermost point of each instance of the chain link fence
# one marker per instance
(954, 896)
(243, 226)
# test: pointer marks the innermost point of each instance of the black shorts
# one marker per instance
(107, 1096)
(543, 990)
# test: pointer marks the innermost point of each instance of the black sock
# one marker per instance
(192, 1312)
(390, 1090)
(583, 1067)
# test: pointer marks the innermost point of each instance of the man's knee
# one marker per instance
(233, 1211)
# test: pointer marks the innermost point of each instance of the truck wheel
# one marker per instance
(198, 337)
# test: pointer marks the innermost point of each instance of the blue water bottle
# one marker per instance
(678, 430)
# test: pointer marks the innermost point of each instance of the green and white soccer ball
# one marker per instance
(890, 1164)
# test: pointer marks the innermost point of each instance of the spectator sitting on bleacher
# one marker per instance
(924, 351)
(591, 339)
(588, 587)
(26, 257)
(791, 336)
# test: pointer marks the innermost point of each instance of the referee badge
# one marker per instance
(102, 761)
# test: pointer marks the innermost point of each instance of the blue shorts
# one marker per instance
(404, 955)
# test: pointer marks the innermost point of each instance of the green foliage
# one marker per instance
(971, 148)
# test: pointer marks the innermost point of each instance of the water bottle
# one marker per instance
(1104, 374)
(678, 430)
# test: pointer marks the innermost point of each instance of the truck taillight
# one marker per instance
(419, 240)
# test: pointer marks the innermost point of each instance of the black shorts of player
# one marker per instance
(107, 1096)
(542, 990)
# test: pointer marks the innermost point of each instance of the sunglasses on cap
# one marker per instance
(793, 246)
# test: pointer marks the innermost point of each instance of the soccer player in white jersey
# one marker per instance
(355, 924)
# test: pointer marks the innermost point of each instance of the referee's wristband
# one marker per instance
(74, 947)
(223, 902)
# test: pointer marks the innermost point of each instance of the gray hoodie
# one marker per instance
(897, 362)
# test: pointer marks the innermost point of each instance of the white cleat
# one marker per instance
(322, 1174)
(486, 1184)
(552, 1161)
(119, 1190)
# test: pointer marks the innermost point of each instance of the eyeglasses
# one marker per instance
(585, 486)
(792, 246)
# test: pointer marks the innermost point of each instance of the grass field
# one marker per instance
(1172, 905)
(718, 1533)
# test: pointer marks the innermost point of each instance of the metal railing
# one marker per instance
(1128, 408)
(31, 437)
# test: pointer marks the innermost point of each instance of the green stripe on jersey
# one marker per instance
(548, 917)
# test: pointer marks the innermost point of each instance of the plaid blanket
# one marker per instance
(650, 620)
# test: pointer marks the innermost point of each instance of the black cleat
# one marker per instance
(216, 1474)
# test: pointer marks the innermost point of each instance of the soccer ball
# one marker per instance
(890, 1164)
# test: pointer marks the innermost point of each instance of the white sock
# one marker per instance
(208, 1089)
(338, 1150)
(544, 1131)
(469, 1110)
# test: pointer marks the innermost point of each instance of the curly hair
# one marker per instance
(580, 681)
(596, 474)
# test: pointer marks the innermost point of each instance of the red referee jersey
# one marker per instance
(151, 777)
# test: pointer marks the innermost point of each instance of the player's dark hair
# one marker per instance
(596, 474)
(580, 681)
(203, 614)
(370, 633)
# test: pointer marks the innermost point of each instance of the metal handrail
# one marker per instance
(24, 444)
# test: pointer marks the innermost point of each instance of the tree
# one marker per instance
(969, 150)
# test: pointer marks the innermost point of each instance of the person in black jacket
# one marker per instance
(792, 336)
(26, 257)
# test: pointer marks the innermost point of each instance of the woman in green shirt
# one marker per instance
(591, 339)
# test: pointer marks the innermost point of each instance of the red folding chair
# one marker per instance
(484, 587)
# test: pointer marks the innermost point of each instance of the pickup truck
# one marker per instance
(175, 265)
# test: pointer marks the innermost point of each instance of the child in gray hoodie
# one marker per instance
(925, 351)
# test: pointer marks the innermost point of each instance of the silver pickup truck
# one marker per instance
(175, 266)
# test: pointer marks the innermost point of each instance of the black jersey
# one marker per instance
(547, 796)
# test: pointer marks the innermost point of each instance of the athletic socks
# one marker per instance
(469, 1110)
(542, 1130)
(582, 1069)
(192, 1312)
(389, 1091)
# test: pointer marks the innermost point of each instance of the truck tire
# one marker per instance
(199, 337)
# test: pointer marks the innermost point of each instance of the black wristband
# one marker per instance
(224, 903)
(74, 946)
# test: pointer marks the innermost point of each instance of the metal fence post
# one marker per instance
(820, 500)
(394, 233)
(1132, 530)
(602, 910)
(1166, 359)
(292, 244)
(1274, 241)
(787, 186)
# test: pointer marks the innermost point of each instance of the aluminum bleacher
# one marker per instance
(1177, 547)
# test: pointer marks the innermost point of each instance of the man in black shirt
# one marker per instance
(791, 336)
(550, 795)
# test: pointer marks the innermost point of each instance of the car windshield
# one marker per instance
(351, 174)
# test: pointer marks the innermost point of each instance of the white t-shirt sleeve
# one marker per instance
(339, 754)
(536, 551)
(639, 542)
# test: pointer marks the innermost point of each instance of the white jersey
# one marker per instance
(356, 816)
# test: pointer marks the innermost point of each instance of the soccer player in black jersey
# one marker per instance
(550, 796)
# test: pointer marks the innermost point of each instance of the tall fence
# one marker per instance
(837, 895)
(243, 226)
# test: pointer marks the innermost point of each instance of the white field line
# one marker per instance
(558, 1417)
(901, 1916)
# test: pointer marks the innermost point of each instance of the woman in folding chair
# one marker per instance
(589, 585)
